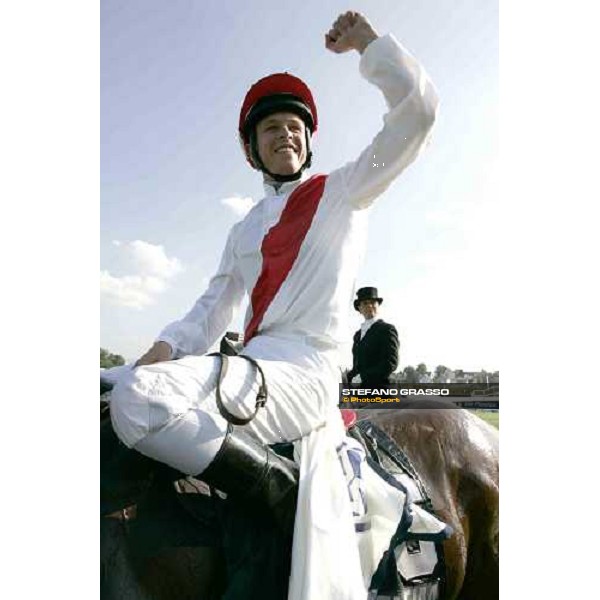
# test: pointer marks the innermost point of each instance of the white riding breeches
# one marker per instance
(168, 410)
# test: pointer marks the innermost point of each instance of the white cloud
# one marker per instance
(239, 205)
(133, 291)
(150, 269)
(148, 259)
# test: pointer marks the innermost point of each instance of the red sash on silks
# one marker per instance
(281, 245)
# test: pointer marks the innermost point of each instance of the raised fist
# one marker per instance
(350, 31)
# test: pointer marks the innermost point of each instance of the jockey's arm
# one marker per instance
(208, 319)
(412, 109)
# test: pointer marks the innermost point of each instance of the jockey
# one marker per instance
(296, 255)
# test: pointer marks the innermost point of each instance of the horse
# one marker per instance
(456, 456)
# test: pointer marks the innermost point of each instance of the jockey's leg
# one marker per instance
(249, 470)
(168, 412)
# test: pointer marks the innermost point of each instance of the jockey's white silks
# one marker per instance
(296, 323)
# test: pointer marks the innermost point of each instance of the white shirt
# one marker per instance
(366, 325)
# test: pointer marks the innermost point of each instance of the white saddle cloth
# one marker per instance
(347, 514)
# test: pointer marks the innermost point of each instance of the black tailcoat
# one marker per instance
(375, 357)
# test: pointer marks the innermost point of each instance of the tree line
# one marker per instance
(108, 360)
(441, 374)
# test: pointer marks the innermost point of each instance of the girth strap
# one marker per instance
(261, 397)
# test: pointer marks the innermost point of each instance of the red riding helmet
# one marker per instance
(278, 85)
(275, 93)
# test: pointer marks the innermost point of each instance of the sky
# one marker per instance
(174, 179)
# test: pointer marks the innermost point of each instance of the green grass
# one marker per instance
(493, 418)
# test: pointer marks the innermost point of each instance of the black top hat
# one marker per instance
(366, 293)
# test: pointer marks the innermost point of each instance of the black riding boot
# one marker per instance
(247, 470)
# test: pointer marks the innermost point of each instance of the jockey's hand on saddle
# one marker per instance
(160, 352)
(350, 31)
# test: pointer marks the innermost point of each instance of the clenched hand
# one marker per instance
(350, 31)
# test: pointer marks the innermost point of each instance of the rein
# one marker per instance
(261, 397)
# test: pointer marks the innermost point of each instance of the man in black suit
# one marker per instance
(375, 348)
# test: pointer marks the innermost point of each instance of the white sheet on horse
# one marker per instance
(326, 562)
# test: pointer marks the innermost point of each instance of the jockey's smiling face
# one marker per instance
(368, 308)
(281, 142)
